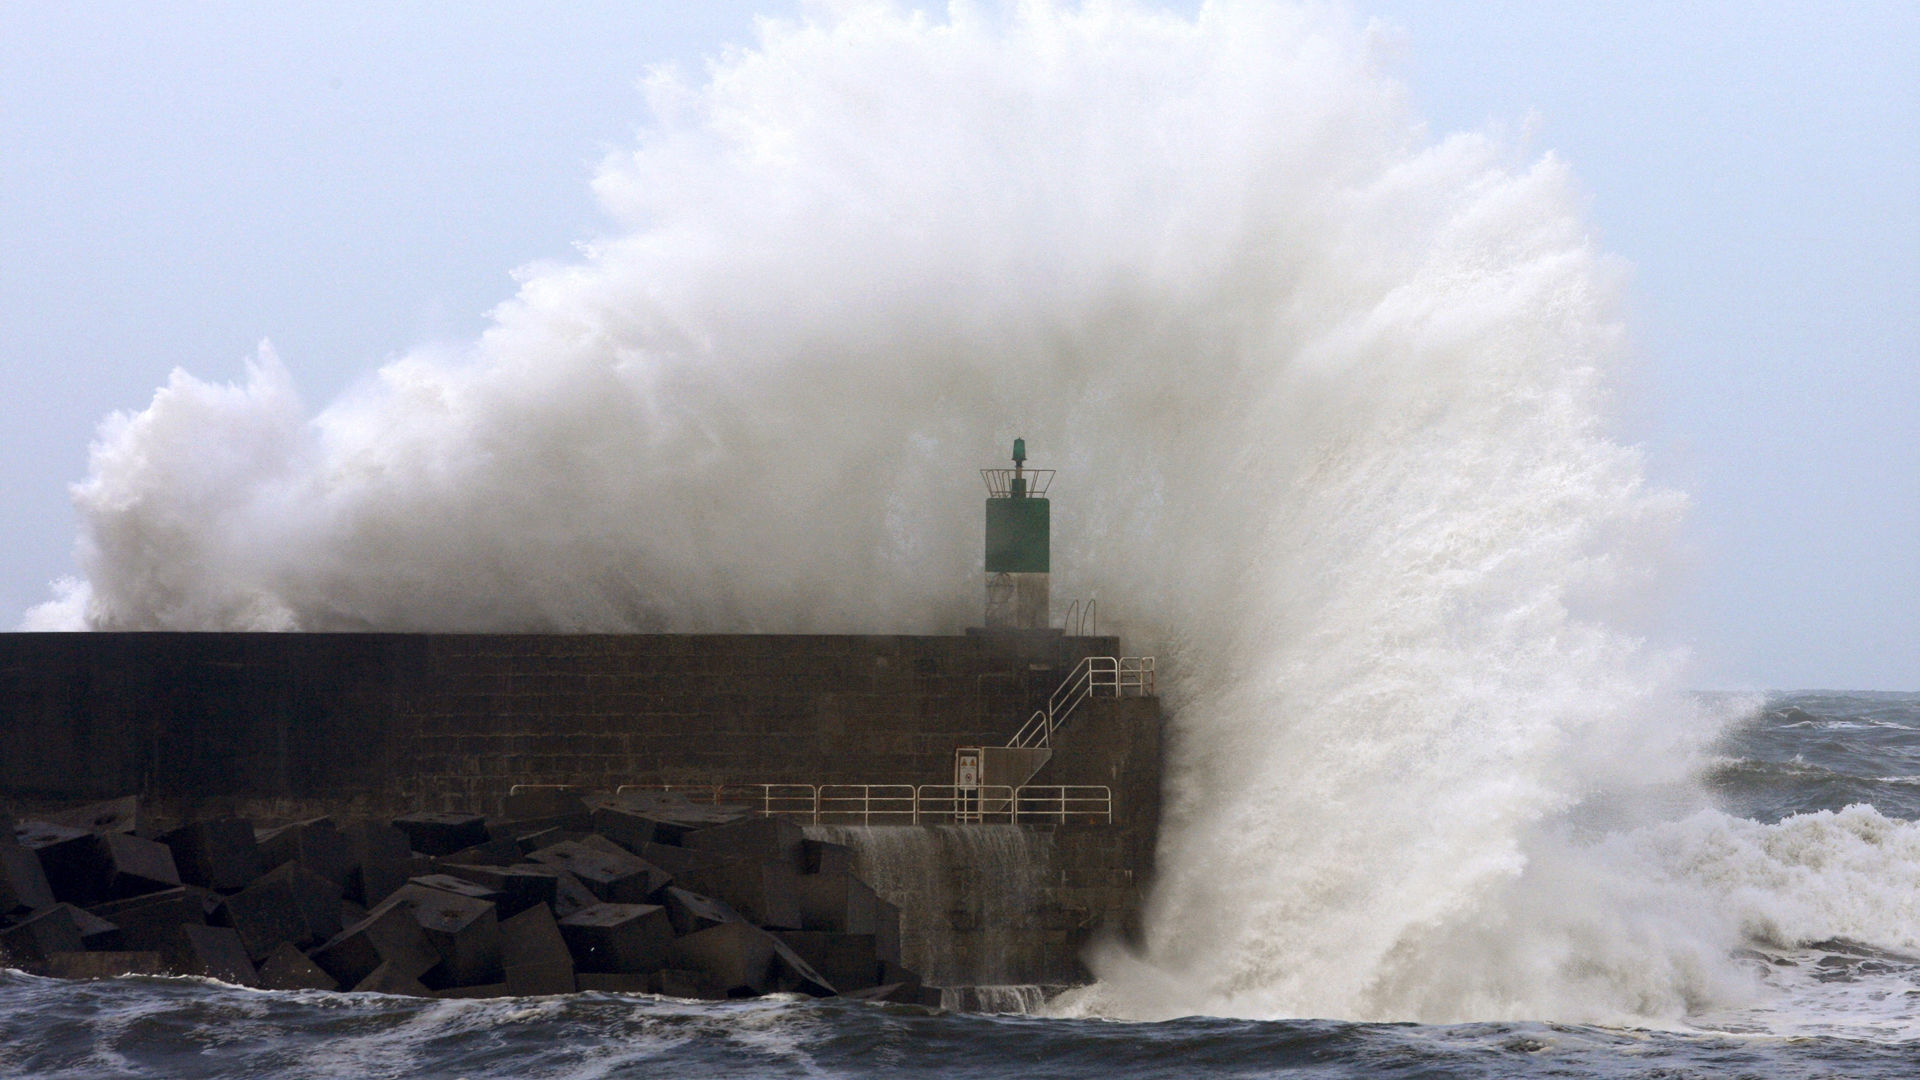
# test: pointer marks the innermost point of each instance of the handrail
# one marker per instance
(865, 801)
(1059, 802)
(925, 804)
(1089, 677)
(1000, 481)
(984, 804)
(1081, 620)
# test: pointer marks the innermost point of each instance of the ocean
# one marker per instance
(1833, 1007)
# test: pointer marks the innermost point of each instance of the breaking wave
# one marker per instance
(1328, 398)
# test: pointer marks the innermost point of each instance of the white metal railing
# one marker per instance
(768, 799)
(1082, 619)
(1000, 481)
(848, 803)
(906, 804)
(986, 804)
(1093, 676)
(1063, 802)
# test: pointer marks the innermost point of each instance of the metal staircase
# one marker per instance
(1093, 676)
(1032, 746)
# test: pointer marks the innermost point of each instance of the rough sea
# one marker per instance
(1829, 1008)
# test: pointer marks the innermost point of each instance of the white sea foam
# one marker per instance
(1327, 396)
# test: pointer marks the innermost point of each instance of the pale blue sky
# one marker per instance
(181, 181)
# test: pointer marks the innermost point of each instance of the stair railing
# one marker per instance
(1093, 676)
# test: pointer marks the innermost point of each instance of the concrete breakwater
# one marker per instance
(995, 905)
(637, 893)
(283, 727)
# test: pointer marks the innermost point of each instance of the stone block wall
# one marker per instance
(280, 726)
(394, 722)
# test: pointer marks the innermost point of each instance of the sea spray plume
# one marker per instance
(1327, 396)
(854, 262)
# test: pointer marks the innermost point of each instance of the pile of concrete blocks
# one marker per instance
(565, 892)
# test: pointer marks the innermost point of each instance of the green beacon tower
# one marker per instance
(1017, 545)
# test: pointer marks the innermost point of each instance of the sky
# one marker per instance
(178, 182)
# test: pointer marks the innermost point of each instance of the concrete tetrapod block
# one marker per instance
(375, 840)
(906, 993)
(287, 968)
(533, 803)
(825, 857)
(544, 838)
(105, 965)
(735, 959)
(846, 960)
(147, 923)
(767, 839)
(761, 891)
(615, 876)
(133, 867)
(210, 902)
(221, 855)
(519, 887)
(69, 859)
(532, 937)
(534, 954)
(618, 938)
(680, 861)
(569, 894)
(673, 816)
(107, 866)
(317, 844)
(217, 953)
(96, 933)
(691, 912)
(579, 821)
(121, 815)
(457, 885)
(442, 834)
(378, 877)
(497, 852)
(792, 973)
(516, 831)
(30, 943)
(391, 978)
(265, 914)
(838, 902)
(388, 935)
(593, 841)
(891, 972)
(542, 980)
(886, 931)
(463, 930)
(630, 830)
(23, 881)
(316, 897)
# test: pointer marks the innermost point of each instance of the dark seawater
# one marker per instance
(1800, 753)
(1823, 750)
(188, 1028)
